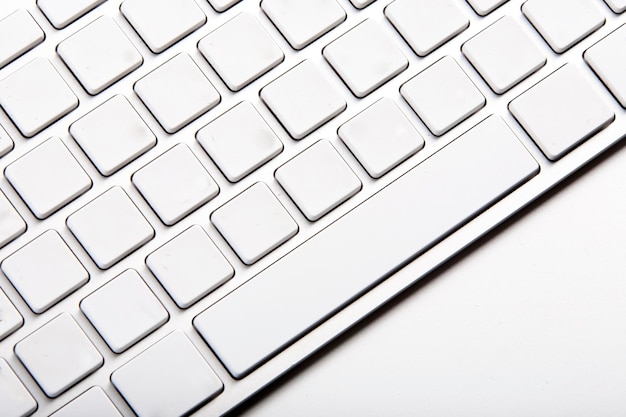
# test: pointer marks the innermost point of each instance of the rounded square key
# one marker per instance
(239, 141)
(6, 144)
(189, 266)
(35, 96)
(99, 55)
(442, 95)
(94, 402)
(11, 223)
(48, 177)
(240, 51)
(175, 184)
(177, 93)
(58, 355)
(484, 7)
(606, 58)
(380, 137)
(360, 4)
(302, 99)
(14, 397)
(11, 318)
(45, 271)
(19, 33)
(618, 6)
(365, 58)
(254, 223)
(222, 5)
(110, 227)
(63, 12)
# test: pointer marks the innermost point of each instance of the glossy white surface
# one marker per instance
(222, 5)
(19, 33)
(15, 399)
(6, 143)
(63, 12)
(484, 7)
(11, 318)
(618, 6)
(11, 223)
(607, 60)
(93, 403)
(359, 4)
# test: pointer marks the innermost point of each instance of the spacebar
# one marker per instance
(283, 302)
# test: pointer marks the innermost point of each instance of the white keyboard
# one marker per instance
(196, 195)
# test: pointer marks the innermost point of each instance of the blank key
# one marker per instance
(93, 402)
(484, 7)
(223, 5)
(11, 318)
(63, 12)
(15, 399)
(19, 33)
(618, 6)
(6, 144)
(608, 61)
(11, 223)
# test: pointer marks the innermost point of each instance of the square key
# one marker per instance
(442, 96)
(19, 33)
(124, 311)
(254, 223)
(99, 55)
(365, 58)
(484, 7)
(48, 177)
(317, 191)
(58, 355)
(11, 223)
(302, 99)
(239, 141)
(110, 227)
(175, 184)
(222, 5)
(11, 318)
(35, 96)
(63, 12)
(112, 135)
(360, 4)
(618, 6)
(189, 266)
(6, 144)
(240, 51)
(177, 93)
(606, 58)
(45, 271)
(94, 402)
(14, 397)
(380, 137)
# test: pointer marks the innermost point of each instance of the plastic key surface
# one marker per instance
(608, 61)
(19, 33)
(93, 403)
(15, 399)
(63, 12)
(11, 223)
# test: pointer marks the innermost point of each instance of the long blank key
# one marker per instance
(295, 294)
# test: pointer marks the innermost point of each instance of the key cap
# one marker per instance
(563, 23)
(239, 141)
(124, 311)
(302, 22)
(6, 144)
(484, 7)
(15, 399)
(256, 321)
(177, 93)
(162, 23)
(365, 58)
(48, 178)
(58, 355)
(317, 191)
(222, 5)
(99, 55)
(19, 33)
(11, 223)
(302, 99)
(170, 375)
(503, 55)
(175, 184)
(254, 223)
(380, 137)
(360, 4)
(110, 227)
(426, 24)
(93, 402)
(618, 6)
(442, 96)
(45, 271)
(607, 60)
(61, 13)
(189, 266)
(240, 51)
(35, 96)
(10, 318)
(561, 112)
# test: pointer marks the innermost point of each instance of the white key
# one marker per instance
(162, 23)
(48, 177)
(563, 23)
(256, 321)
(15, 399)
(618, 6)
(11, 223)
(504, 55)
(239, 141)
(171, 376)
(112, 135)
(19, 33)
(58, 355)
(607, 60)
(365, 58)
(301, 22)
(222, 5)
(189, 266)
(442, 95)
(360, 4)
(99, 55)
(6, 144)
(318, 180)
(426, 24)
(175, 184)
(561, 112)
(177, 93)
(10, 318)
(124, 311)
(110, 227)
(240, 51)
(380, 137)
(45, 271)
(302, 99)
(94, 403)
(254, 223)
(484, 7)
(63, 12)
(35, 96)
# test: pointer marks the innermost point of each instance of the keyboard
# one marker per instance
(197, 195)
